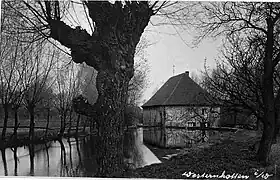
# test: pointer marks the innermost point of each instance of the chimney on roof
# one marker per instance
(187, 73)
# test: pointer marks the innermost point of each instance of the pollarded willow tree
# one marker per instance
(257, 22)
(116, 30)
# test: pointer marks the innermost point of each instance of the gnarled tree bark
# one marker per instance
(268, 98)
(110, 50)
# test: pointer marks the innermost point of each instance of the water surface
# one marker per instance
(73, 157)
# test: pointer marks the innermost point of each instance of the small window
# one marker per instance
(216, 115)
(203, 111)
(191, 124)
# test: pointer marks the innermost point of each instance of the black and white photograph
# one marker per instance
(140, 89)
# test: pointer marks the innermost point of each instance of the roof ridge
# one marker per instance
(173, 89)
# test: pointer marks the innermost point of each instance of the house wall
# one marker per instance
(154, 117)
(182, 116)
(183, 137)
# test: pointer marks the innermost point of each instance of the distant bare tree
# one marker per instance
(35, 79)
(13, 52)
(256, 21)
(46, 106)
(236, 81)
(67, 87)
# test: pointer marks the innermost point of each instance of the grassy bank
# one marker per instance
(229, 152)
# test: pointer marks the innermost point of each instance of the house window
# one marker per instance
(215, 115)
(191, 124)
(203, 111)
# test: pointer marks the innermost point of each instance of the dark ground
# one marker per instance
(231, 154)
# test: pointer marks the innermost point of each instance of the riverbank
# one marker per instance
(230, 153)
(39, 138)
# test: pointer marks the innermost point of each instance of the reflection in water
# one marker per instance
(15, 161)
(31, 156)
(70, 157)
(3, 153)
(135, 152)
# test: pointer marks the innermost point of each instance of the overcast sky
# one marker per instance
(175, 50)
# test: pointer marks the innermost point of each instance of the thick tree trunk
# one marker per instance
(112, 90)
(110, 50)
(32, 123)
(274, 141)
(277, 116)
(92, 125)
(5, 123)
(277, 125)
(268, 99)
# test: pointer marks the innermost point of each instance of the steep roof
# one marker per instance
(179, 90)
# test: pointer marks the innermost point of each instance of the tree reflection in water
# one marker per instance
(48, 158)
(73, 157)
(132, 154)
(79, 153)
(31, 156)
(15, 160)
(3, 153)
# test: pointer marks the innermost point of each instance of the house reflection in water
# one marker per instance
(178, 104)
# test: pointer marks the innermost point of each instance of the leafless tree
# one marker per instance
(116, 29)
(236, 81)
(13, 52)
(250, 20)
(35, 79)
(67, 87)
(45, 107)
